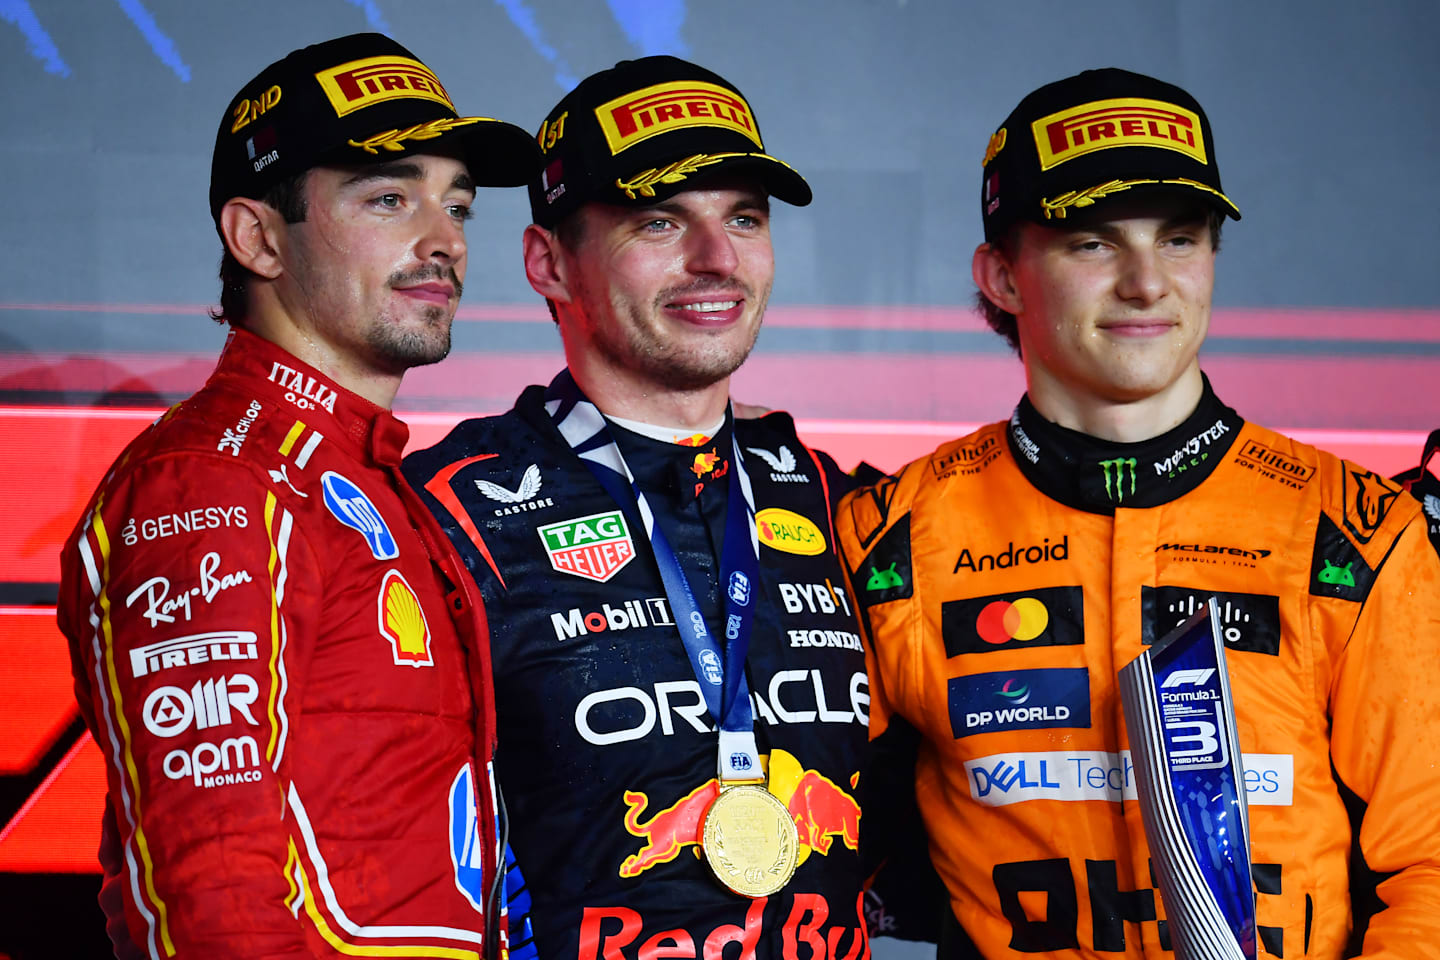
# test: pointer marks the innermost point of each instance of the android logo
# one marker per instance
(1339, 576)
(884, 579)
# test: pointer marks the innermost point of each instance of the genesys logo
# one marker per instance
(627, 615)
(1080, 775)
(1019, 700)
(1047, 617)
(622, 714)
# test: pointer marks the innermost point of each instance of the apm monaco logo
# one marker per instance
(594, 547)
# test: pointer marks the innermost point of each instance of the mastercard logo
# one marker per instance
(1001, 621)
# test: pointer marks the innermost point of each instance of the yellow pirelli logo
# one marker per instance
(1125, 122)
(664, 107)
(363, 83)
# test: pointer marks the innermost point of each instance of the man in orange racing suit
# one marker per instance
(1005, 579)
(272, 643)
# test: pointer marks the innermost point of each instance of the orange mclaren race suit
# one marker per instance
(1004, 581)
(275, 649)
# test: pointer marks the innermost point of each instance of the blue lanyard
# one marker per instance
(721, 675)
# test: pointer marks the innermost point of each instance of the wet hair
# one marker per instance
(287, 198)
(1004, 323)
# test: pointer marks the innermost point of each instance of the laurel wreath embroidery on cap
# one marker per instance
(644, 183)
(393, 140)
(1059, 206)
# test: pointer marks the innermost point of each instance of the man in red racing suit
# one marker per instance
(1005, 579)
(273, 643)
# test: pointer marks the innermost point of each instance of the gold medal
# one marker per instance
(750, 841)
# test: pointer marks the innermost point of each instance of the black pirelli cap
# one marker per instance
(643, 131)
(353, 100)
(1103, 133)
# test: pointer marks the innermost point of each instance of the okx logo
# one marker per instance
(1119, 476)
(1047, 617)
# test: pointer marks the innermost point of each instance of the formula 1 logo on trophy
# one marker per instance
(1181, 719)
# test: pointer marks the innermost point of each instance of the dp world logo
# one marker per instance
(1119, 474)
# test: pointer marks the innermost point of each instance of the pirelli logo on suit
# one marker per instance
(666, 107)
(362, 83)
(1121, 122)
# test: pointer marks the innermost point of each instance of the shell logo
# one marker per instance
(789, 532)
(402, 622)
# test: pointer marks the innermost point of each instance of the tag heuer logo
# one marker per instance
(593, 547)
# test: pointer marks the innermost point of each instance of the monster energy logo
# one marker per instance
(1119, 467)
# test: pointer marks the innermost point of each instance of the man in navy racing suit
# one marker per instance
(579, 513)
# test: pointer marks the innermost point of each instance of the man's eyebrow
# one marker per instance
(756, 201)
(1190, 218)
(462, 181)
(395, 170)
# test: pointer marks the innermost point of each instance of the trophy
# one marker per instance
(1191, 786)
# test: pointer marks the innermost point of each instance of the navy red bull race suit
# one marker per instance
(607, 756)
(275, 649)
(1007, 578)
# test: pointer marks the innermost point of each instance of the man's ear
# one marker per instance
(545, 264)
(995, 278)
(253, 234)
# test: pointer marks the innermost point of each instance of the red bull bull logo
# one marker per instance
(669, 831)
(822, 811)
(704, 463)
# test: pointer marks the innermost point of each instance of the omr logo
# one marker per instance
(1004, 620)
(1043, 617)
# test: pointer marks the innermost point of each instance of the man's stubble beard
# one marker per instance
(667, 363)
(401, 348)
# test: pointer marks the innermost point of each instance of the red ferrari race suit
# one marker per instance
(1007, 578)
(275, 649)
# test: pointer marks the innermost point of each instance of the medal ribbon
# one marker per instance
(721, 675)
